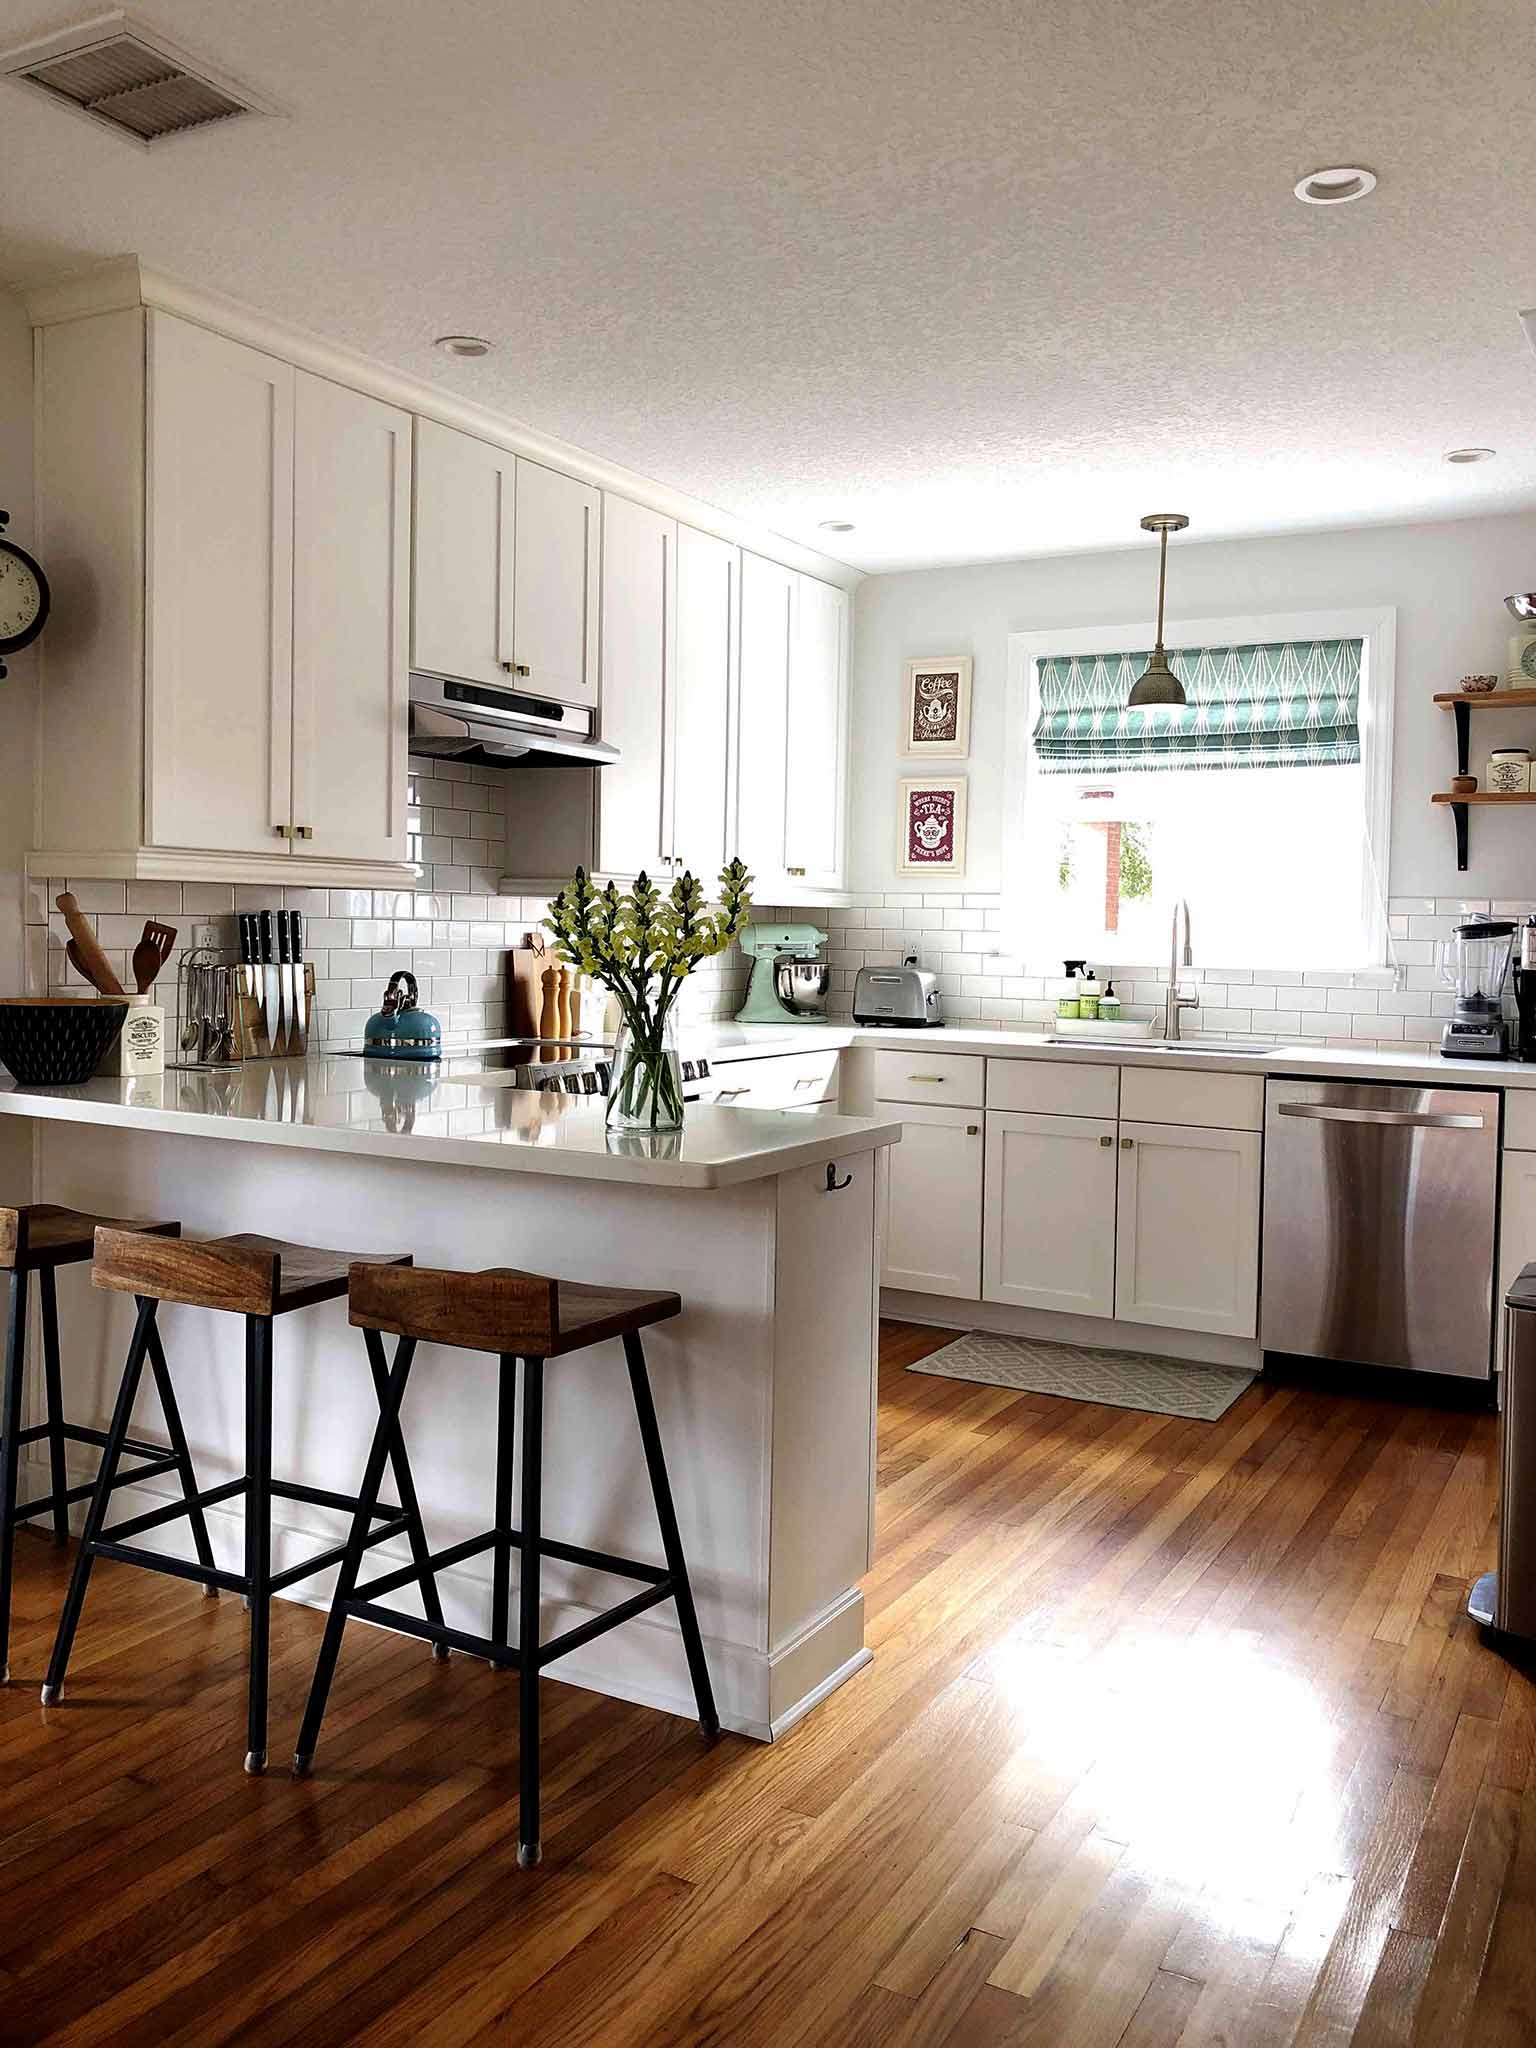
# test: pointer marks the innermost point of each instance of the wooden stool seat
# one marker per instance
(42, 1234)
(500, 1309)
(526, 1319)
(245, 1275)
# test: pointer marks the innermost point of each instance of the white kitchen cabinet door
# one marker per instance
(932, 1219)
(351, 610)
(1187, 1244)
(1517, 1223)
(708, 572)
(767, 625)
(1048, 1238)
(814, 728)
(639, 581)
(219, 610)
(465, 514)
(554, 578)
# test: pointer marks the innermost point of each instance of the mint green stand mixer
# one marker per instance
(789, 983)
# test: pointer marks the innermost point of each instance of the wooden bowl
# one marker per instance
(56, 1041)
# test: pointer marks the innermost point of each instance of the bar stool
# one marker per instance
(39, 1239)
(259, 1278)
(515, 1315)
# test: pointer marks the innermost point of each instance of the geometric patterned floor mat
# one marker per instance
(1119, 1379)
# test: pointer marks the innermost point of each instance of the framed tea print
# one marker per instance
(933, 826)
(936, 708)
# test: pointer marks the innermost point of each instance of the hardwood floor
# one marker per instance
(1176, 1732)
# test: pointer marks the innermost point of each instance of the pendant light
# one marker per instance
(1157, 684)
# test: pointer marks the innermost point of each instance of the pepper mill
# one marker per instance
(563, 1010)
(549, 1015)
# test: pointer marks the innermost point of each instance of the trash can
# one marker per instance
(1506, 1599)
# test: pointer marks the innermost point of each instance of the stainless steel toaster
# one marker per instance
(897, 995)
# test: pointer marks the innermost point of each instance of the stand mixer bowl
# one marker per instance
(801, 985)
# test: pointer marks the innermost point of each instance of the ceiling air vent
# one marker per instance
(130, 78)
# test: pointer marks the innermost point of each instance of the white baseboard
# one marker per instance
(941, 1312)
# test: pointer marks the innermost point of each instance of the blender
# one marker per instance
(1475, 962)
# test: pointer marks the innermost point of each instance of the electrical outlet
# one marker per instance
(206, 934)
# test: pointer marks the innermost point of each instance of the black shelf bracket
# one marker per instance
(1459, 816)
(1463, 717)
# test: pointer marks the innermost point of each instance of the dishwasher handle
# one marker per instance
(1428, 1120)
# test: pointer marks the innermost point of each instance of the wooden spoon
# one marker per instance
(151, 954)
(85, 956)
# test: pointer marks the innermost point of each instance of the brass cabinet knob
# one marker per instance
(1126, 1144)
(1106, 1141)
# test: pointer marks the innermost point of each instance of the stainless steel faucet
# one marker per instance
(1176, 999)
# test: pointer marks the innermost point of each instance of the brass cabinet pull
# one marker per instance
(1126, 1144)
(1106, 1141)
(794, 871)
(517, 668)
(972, 1130)
(936, 1079)
(294, 831)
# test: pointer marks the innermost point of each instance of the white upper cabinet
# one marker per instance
(792, 727)
(767, 631)
(466, 496)
(351, 598)
(554, 601)
(639, 565)
(814, 751)
(708, 573)
(219, 639)
(505, 569)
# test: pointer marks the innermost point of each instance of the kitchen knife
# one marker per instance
(299, 1031)
(249, 978)
(272, 984)
(285, 983)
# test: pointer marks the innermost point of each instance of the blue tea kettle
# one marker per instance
(398, 1030)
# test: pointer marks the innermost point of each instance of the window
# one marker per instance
(1262, 800)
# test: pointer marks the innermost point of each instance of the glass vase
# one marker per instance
(645, 1090)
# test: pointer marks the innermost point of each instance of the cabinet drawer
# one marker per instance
(922, 1076)
(1053, 1087)
(1222, 1102)
(791, 1081)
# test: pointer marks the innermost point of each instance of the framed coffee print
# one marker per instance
(933, 826)
(936, 708)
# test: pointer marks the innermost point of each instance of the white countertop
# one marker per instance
(380, 1108)
(726, 1042)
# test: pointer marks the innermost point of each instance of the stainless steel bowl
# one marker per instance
(801, 985)
(1523, 606)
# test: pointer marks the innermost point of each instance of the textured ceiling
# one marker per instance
(987, 277)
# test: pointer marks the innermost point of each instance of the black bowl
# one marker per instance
(56, 1041)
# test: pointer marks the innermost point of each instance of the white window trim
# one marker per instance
(1376, 627)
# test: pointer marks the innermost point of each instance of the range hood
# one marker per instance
(497, 728)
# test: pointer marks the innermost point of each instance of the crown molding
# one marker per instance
(125, 282)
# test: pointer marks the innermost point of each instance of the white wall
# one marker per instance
(18, 701)
(1447, 581)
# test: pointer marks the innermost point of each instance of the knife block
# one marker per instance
(251, 1039)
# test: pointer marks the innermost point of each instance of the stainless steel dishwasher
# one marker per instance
(1379, 1215)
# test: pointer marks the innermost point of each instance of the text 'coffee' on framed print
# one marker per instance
(933, 826)
(936, 708)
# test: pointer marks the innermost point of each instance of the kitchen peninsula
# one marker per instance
(763, 1221)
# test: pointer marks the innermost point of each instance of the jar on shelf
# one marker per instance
(1509, 771)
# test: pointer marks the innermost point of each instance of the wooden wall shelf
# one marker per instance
(1462, 702)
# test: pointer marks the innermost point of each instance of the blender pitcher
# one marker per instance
(1475, 963)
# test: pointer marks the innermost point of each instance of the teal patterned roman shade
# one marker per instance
(1290, 704)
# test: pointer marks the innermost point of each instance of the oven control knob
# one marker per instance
(547, 1084)
(589, 1082)
(571, 1084)
(689, 1072)
(703, 1073)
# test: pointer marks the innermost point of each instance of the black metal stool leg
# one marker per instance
(15, 1369)
(367, 1501)
(179, 1451)
(671, 1540)
(53, 1392)
(258, 1534)
(501, 1557)
(96, 1513)
(405, 1488)
(528, 1850)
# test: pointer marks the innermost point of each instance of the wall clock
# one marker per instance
(24, 597)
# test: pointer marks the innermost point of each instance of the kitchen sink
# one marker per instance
(1241, 1048)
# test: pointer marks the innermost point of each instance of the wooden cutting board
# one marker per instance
(525, 991)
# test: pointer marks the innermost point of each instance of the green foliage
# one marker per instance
(1135, 862)
(642, 944)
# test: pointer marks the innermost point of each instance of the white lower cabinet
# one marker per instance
(1049, 1217)
(1517, 1218)
(932, 1210)
(1187, 1228)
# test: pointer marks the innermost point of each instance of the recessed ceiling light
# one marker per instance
(1334, 186)
(462, 345)
(837, 526)
(1470, 454)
